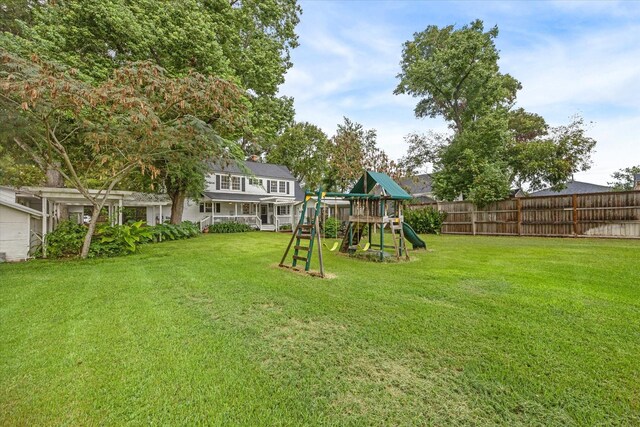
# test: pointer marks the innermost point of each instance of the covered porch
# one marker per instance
(268, 214)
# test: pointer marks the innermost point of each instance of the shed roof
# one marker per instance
(20, 207)
(390, 187)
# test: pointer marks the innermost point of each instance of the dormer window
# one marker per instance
(235, 183)
(283, 186)
(274, 186)
(224, 182)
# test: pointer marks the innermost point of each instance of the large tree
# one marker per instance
(352, 151)
(99, 134)
(492, 146)
(247, 41)
(303, 148)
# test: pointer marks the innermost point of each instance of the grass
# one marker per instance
(482, 330)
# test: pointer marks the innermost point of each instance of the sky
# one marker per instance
(571, 57)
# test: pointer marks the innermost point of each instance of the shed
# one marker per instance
(16, 225)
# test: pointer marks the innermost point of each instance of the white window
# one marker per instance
(235, 183)
(246, 209)
(274, 186)
(255, 181)
(284, 210)
(205, 207)
(217, 207)
(224, 182)
(283, 186)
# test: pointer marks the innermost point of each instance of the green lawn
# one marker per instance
(481, 330)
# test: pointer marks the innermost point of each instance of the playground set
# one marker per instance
(375, 203)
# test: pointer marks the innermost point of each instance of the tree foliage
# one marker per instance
(493, 146)
(302, 148)
(352, 151)
(100, 133)
(247, 42)
(624, 179)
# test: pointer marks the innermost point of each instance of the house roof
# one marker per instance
(573, 187)
(390, 187)
(267, 170)
(417, 185)
(20, 207)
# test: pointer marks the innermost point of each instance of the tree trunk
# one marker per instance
(177, 206)
(89, 235)
(54, 177)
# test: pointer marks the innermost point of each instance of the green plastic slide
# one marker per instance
(412, 236)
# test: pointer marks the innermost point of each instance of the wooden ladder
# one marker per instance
(305, 235)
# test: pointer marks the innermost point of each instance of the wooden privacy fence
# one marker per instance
(613, 214)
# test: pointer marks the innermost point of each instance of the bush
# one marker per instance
(425, 221)
(332, 227)
(184, 230)
(286, 227)
(115, 240)
(66, 240)
(229, 227)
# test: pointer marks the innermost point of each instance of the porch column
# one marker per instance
(44, 226)
(160, 207)
(120, 212)
(235, 206)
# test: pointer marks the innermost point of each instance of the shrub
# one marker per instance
(425, 221)
(184, 230)
(229, 227)
(332, 227)
(66, 240)
(286, 227)
(115, 240)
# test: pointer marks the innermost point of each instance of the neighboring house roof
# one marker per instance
(573, 187)
(418, 184)
(241, 197)
(299, 192)
(386, 183)
(266, 170)
(20, 207)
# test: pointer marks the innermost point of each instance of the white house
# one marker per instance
(262, 195)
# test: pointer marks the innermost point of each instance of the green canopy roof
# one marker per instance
(390, 187)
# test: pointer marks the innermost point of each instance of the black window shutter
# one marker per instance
(217, 182)
(243, 184)
(288, 187)
(268, 186)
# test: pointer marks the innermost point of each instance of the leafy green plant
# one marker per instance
(114, 240)
(425, 221)
(66, 240)
(332, 227)
(285, 227)
(166, 231)
(229, 227)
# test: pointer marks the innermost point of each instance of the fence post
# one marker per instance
(519, 217)
(574, 200)
(473, 219)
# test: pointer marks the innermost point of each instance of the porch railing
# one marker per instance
(205, 222)
(250, 220)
